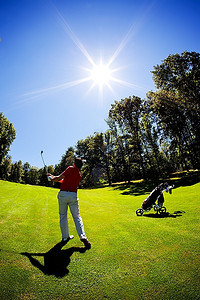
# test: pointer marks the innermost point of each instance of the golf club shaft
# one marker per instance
(44, 163)
(43, 160)
(49, 179)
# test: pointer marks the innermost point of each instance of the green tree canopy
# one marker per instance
(124, 123)
(5, 167)
(180, 73)
(66, 161)
(92, 150)
(176, 103)
(7, 136)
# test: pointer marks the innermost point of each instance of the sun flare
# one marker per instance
(101, 74)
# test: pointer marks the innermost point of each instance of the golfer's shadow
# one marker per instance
(55, 260)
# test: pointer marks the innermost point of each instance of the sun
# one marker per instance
(101, 75)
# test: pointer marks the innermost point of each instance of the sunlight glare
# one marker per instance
(101, 74)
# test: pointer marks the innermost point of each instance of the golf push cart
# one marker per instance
(155, 195)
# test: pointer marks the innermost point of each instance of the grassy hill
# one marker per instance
(148, 257)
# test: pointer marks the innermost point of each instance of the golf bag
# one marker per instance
(155, 195)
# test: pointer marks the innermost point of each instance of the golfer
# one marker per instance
(67, 196)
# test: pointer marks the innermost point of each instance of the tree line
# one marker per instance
(146, 138)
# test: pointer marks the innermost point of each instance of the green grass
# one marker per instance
(131, 257)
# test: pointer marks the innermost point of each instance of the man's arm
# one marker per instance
(56, 178)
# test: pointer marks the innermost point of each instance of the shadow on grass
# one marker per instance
(55, 260)
(165, 215)
(136, 188)
(145, 187)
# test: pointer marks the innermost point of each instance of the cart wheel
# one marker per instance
(162, 210)
(139, 212)
(156, 208)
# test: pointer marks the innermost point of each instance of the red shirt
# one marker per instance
(71, 180)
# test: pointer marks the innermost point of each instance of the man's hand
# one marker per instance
(49, 177)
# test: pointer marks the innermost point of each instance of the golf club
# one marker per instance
(49, 178)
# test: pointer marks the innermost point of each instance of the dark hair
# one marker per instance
(78, 162)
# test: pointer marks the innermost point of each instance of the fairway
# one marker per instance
(132, 257)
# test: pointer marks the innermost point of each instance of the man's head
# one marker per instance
(78, 162)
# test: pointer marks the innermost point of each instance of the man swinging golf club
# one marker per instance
(67, 196)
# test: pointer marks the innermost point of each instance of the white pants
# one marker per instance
(70, 199)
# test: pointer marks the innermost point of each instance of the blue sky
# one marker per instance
(48, 50)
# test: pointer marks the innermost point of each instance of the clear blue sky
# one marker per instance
(48, 50)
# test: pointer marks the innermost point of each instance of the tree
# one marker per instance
(177, 103)
(124, 122)
(33, 176)
(16, 172)
(173, 124)
(66, 161)
(7, 136)
(180, 74)
(150, 143)
(5, 167)
(26, 169)
(109, 155)
(92, 151)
